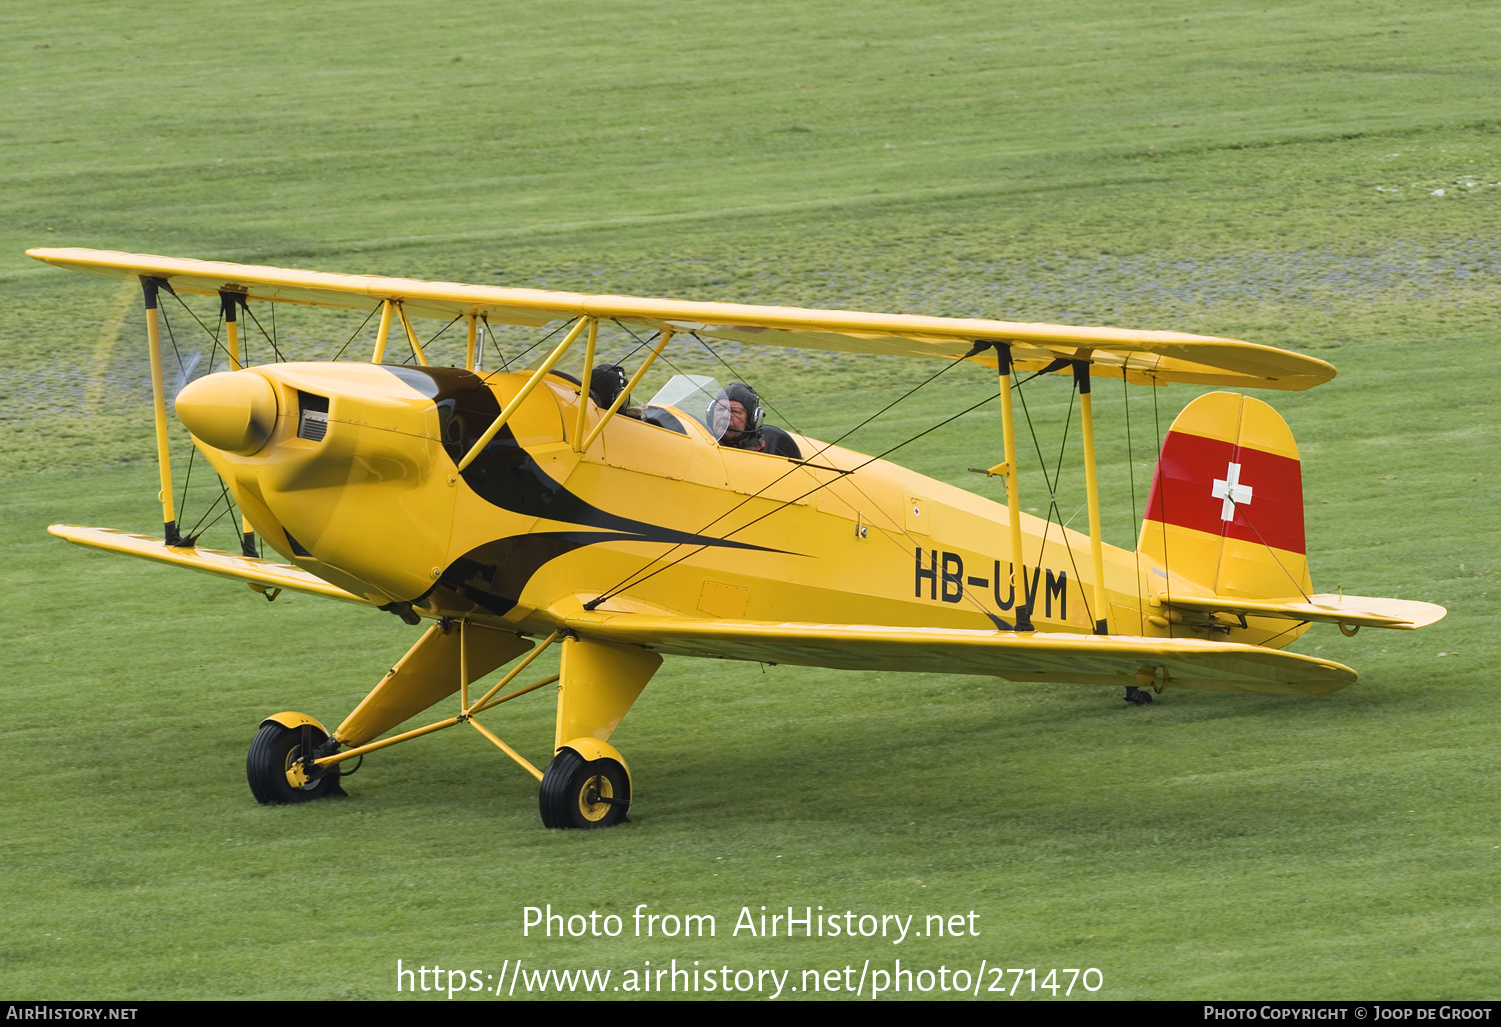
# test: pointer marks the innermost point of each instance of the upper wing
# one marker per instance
(210, 561)
(1139, 356)
(1038, 656)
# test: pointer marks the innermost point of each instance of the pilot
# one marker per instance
(736, 417)
(606, 382)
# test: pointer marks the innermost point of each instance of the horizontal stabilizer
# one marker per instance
(1351, 611)
(209, 561)
(1026, 656)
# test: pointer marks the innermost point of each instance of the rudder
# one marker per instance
(1226, 508)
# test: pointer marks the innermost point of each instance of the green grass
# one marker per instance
(1264, 173)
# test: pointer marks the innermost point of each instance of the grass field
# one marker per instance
(1325, 177)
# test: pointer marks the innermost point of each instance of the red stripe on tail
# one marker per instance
(1196, 474)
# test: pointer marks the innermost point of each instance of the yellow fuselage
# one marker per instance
(366, 494)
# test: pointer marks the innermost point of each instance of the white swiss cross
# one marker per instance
(1232, 492)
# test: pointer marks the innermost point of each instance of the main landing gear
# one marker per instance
(275, 767)
(587, 784)
(583, 793)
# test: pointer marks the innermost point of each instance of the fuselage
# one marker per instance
(357, 481)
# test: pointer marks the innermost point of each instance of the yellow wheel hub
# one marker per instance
(595, 788)
(296, 773)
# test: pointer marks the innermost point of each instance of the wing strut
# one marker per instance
(526, 390)
(1092, 487)
(411, 335)
(578, 429)
(386, 308)
(229, 304)
(1013, 497)
(469, 364)
(630, 385)
(149, 287)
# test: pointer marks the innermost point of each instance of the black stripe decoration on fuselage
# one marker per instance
(493, 575)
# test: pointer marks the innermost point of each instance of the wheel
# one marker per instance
(581, 793)
(272, 754)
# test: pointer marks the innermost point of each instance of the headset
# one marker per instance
(719, 410)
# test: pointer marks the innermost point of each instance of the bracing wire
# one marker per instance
(640, 345)
(440, 331)
(228, 508)
(740, 378)
(1262, 539)
(826, 446)
(524, 352)
(1267, 643)
(626, 582)
(505, 365)
(215, 345)
(1062, 524)
(629, 583)
(269, 337)
(643, 344)
(213, 335)
(355, 335)
(1053, 495)
(192, 450)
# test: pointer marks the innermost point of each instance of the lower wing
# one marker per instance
(261, 574)
(1026, 656)
(1030, 656)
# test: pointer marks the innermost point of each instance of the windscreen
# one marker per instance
(693, 394)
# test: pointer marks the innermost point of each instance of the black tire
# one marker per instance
(571, 782)
(271, 754)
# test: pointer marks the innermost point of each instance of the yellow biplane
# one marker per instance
(516, 506)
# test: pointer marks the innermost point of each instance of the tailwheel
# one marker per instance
(272, 765)
(583, 793)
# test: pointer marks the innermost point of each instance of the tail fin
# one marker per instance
(1226, 510)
